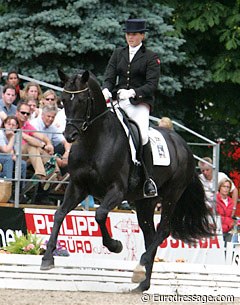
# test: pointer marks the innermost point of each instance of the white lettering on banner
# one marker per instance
(71, 226)
(42, 222)
(8, 236)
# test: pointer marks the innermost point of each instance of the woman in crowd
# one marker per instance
(32, 89)
(14, 80)
(7, 148)
(225, 208)
(34, 110)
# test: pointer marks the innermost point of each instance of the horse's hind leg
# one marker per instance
(144, 269)
(71, 199)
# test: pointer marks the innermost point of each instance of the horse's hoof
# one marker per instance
(116, 246)
(139, 274)
(119, 247)
(47, 264)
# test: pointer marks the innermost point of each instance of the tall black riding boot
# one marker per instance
(149, 187)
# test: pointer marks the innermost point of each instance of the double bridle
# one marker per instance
(86, 121)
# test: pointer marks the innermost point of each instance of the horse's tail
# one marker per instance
(191, 218)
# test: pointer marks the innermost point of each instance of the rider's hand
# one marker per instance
(125, 94)
(107, 94)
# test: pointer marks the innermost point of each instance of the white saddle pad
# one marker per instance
(160, 150)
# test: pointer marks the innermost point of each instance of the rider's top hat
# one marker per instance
(135, 26)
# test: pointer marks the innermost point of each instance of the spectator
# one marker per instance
(165, 122)
(49, 97)
(44, 122)
(32, 89)
(34, 110)
(37, 146)
(14, 80)
(225, 208)
(206, 178)
(7, 142)
(8, 97)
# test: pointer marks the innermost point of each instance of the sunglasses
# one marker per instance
(24, 113)
(49, 99)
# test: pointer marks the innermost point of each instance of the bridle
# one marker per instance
(86, 121)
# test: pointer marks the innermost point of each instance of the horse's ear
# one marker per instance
(85, 77)
(64, 78)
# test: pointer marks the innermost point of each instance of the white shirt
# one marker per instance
(133, 51)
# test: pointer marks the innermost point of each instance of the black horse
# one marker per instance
(100, 164)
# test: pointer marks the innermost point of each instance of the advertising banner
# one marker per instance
(80, 235)
(12, 221)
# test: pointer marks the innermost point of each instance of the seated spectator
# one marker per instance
(206, 178)
(7, 142)
(225, 208)
(32, 89)
(35, 145)
(14, 80)
(50, 98)
(165, 122)
(8, 98)
(34, 110)
(44, 123)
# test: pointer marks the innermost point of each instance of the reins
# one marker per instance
(86, 122)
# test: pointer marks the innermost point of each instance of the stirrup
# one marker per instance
(154, 190)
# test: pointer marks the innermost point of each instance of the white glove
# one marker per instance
(107, 94)
(125, 94)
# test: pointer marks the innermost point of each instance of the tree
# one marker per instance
(46, 35)
(212, 33)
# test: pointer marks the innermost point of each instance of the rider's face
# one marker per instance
(134, 39)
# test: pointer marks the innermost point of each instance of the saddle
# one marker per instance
(134, 133)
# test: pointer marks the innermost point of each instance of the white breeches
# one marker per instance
(138, 113)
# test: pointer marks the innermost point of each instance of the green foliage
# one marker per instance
(37, 37)
(25, 244)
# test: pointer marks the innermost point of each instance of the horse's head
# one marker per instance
(83, 102)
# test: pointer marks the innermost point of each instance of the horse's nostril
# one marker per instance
(71, 137)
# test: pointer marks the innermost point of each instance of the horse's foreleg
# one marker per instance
(111, 200)
(71, 199)
(48, 260)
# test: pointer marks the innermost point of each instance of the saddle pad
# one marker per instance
(160, 150)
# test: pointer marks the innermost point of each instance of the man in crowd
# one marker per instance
(206, 178)
(8, 97)
(44, 123)
(35, 145)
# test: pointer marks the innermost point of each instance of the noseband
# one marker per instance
(86, 122)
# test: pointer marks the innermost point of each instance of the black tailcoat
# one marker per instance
(141, 74)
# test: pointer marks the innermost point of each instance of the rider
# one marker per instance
(132, 75)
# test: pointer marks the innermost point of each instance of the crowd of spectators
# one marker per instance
(33, 111)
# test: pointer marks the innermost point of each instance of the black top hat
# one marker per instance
(135, 26)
